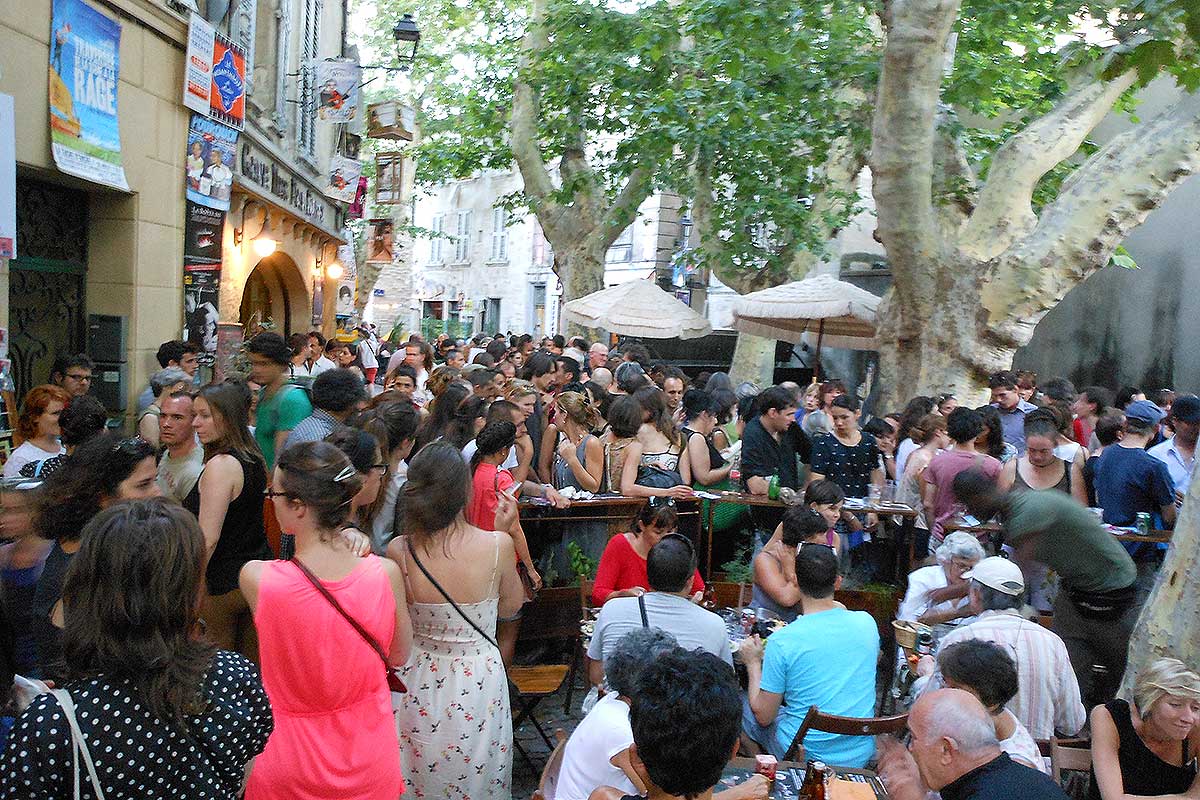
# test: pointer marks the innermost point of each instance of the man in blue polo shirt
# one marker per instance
(1130, 481)
(826, 658)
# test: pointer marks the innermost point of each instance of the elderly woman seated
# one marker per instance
(597, 754)
(937, 595)
(775, 587)
(1148, 748)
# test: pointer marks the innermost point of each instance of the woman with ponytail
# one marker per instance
(329, 622)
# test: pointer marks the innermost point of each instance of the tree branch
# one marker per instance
(1005, 211)
(955, 186)
(902, 151)
(1105, 199)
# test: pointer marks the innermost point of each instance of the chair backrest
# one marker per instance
(1069, 755)
(586, 586)
(548, 784)
(844, 726)
(726, 594)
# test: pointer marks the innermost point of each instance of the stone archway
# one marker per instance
(275, 292)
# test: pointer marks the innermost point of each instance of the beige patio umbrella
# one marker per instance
(637, 308)
(839, 314)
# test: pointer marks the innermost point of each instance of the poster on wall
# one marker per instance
(343, 178)
(214, 81)
(85, 137)
(318, 309)
(348, 285)
(203, 233)
(211, 150)
(8, 182)
(338, 87)
(200, 315)
(380, 241)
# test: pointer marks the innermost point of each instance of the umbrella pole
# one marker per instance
(817, 367)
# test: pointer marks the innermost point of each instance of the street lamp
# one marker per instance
(403, 33)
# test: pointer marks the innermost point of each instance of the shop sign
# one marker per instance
(267, 175)
(8, 180)
(338, 85)
(84, 70)
(214, 80)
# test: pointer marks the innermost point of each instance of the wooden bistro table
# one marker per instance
(853, 784)
(992, 532)
(889, 509)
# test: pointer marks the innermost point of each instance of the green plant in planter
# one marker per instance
(583, 566)
(740, 569)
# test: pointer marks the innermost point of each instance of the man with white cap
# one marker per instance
(1047, 699)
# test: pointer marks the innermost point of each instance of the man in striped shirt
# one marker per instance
(1047, 699)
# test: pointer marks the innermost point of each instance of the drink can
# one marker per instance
(1143, 523)
(766, 765)
(924, 643)
(748, 620)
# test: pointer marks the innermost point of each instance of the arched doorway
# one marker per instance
(275, 297)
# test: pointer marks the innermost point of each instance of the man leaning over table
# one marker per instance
(826, 658)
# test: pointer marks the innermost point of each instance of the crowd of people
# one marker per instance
(309, 581)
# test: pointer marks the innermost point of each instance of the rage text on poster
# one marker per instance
(95, 77)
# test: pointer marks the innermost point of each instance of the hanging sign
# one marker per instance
(343, 178)
(348, 285)
(214, 81)
(380, 241)
(211, 154)
(338, 88)
(85, 137)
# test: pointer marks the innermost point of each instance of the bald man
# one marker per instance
(597, 356)
(954, 751)
(603, 376)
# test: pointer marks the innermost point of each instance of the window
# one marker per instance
(537, 308)
(622, 248)
(499, 234)
(462, 238)
(306, 128)
(389, 175)
(438, 226)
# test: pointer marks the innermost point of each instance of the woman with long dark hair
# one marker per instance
(467, 421)
(656, 463)
(441, 415)
(462, 582)
(102, 471)
(228, 502)
(334, 732)
(162, 712)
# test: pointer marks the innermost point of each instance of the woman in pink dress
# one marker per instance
(334, 735)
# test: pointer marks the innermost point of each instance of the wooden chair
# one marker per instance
(548, 785)
(531, 686)
(586, 586)
(1071, 755)
(844, 726)
(726, 594)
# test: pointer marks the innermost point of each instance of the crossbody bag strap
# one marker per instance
(338, 608)
(413, 554)
(642, 609)
(78, 743)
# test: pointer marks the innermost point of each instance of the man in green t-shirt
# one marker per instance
(1097, 606)
(280, 405)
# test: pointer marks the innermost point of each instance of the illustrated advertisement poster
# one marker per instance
(337, 90)
(85, 137)
(214, 82)
(348, 285)
(211, 151)
(200, 315)
(343, 178)
(203, 234)
(8, 183)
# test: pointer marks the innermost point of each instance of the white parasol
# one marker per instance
(839, 314)
(637, 308)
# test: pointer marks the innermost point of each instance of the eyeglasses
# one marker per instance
(81, 378)
(381, 467)
(658, 502)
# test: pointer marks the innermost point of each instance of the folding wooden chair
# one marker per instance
(548, 785)
(844, 726)
(533, 685)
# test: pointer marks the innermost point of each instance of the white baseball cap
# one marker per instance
(999, 574)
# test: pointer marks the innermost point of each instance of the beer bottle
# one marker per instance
(813, 787)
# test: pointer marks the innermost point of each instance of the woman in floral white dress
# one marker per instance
(455, 724)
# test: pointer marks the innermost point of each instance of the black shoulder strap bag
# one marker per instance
(394, 682)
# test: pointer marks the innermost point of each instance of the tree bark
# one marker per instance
(1169, 624)
(753, 360)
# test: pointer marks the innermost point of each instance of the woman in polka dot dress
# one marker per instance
(164, 713)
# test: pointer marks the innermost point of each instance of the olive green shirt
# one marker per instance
(1072, 542)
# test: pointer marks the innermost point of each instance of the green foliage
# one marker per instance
(582, 565)
(1121, 258)
(740, 569)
